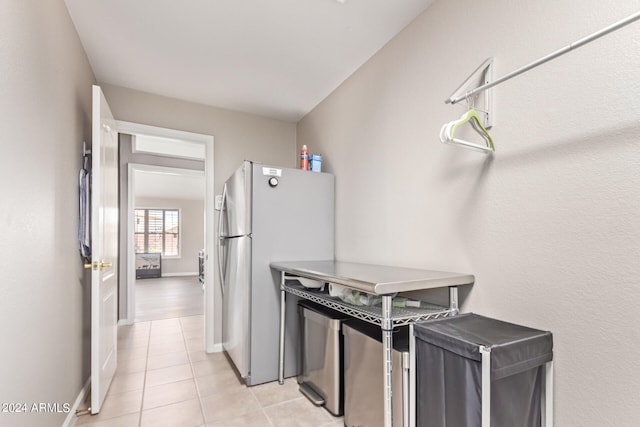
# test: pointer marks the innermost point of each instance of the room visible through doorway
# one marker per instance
(168, 298)
(168, 236)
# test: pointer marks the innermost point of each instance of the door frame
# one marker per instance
(209, 224)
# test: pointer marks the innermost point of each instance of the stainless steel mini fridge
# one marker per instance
(268, 213)
(363, 382)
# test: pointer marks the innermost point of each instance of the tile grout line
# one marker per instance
(193, 373)
(144, 381)
(262, 408)
(330, 417)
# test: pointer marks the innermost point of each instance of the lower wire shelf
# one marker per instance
(399, 316)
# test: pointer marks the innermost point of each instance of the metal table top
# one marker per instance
(373, 279)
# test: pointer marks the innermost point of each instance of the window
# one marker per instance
(157, 231)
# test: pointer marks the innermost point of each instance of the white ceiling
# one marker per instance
(276, 58)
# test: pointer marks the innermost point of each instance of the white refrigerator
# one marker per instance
(268, 213)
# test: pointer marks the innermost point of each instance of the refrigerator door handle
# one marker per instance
(220, 238)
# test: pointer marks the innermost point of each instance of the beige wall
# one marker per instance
(237, 136)
(549, 224)
(45, 113)
(192, 233)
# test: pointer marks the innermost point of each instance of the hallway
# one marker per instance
(165, 378)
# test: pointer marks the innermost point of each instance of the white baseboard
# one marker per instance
(179, 274)
(122, 322)
(71, 419)
(216, 348)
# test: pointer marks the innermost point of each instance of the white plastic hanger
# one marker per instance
(448, 130)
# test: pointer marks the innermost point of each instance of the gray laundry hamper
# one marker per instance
(473, 371)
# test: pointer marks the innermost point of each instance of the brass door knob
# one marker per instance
(94, 265)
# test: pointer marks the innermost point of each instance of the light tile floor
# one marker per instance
(165, 378)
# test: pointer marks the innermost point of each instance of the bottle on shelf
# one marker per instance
(304, 158)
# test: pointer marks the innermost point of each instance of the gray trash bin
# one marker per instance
(363, 375)
(449, 372)
(320, 379)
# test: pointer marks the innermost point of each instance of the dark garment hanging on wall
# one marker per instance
(84, 225)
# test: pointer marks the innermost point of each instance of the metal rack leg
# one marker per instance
(412, 377)
(453, 300)
(547, 396)
(283, 310)
(486, 386)
(387, 361)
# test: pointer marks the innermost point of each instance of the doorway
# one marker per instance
(127, 315)
(168, 236)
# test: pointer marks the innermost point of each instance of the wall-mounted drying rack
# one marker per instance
(85, 151)
(86, 156)
(470, 96)
(480, 119)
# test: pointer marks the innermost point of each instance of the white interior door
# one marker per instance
(104, 250)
